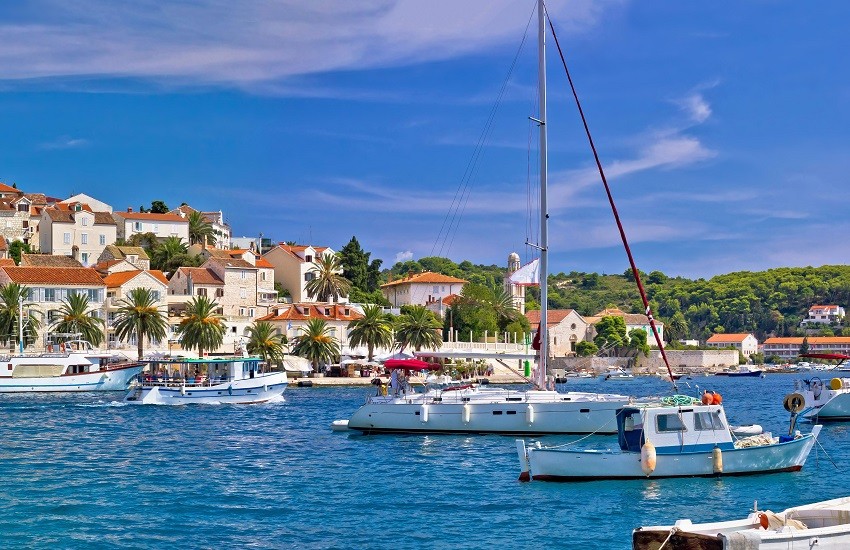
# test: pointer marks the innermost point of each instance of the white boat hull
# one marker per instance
(491, 411)
(825, 525)
(829, 405)
(565, 465)
(115, 379)
(259, 389)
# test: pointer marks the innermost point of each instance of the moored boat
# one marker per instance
(826, 401)
(236, 380)
(823, 525)
(75, 367)
(676, 437)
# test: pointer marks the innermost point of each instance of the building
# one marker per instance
(789, 347)
(633, 321)
(565, 327)
(50, 288)
(131, 223)
(73, 229)
(120, 278)
(46, 260)
(96, 205)
(294, 267)
(251, 242)
(135, 255)
(289, 319)
(421, 289)
(824, 315)
(220, 228)
(747, 344)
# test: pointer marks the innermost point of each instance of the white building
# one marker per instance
(131, 223)
(747, 344)
(824, 315)
(421, 289)
(73, 229)
(565, 328)
(789, 347)
(294, 267)
(220, 228)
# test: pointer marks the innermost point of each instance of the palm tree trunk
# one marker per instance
(140, 344)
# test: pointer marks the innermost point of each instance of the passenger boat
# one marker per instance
(615, 374)
(822, 525)
(237, 380)
(676, 437)
(75, 366)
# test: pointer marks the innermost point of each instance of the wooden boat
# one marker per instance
(821, 525)
(237, 380)
(677, 437)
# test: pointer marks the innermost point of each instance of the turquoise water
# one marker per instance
(83, 471)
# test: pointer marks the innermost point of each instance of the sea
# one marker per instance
(86, 471)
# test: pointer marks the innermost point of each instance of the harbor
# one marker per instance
(96, 471)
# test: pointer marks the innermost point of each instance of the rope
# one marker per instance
(672, 532)
(679, 400)
(568, 443)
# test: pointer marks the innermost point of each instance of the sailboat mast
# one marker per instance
(544, 213)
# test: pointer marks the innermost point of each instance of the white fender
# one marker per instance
(717, 460)
(423, 413)
(467, 413)
(529, 414)
(182, 390)
(648, 458)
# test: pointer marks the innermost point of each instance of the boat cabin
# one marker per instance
(673, 429)
(201, 372)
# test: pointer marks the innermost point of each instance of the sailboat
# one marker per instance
(478, 409)
(675, 436)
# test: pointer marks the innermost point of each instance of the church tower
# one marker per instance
(517, 292)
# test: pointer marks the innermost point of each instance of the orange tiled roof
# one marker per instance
(7, 262)
(262, 262)
(200, 276)
(298, 312)
(114, 280)
(48, 260)
(9, 189)
(158, 275)
(83, 276)
(232, 262)
(553, 317)
(798, 340)
(730, 338)
(429, 277)
(150, 216)
(3, 244)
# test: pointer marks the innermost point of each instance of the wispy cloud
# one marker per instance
(404, 256)
(64, 142)
(256, 45)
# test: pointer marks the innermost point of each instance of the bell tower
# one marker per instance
(517, 292)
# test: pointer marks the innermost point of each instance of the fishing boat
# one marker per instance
(826, 402)
(73, 367)
(236, 380)
(678, 436)
(821, 525)
(473, 408)
(742, 371)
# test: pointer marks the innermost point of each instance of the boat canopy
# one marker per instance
(833, 356)
(411, 364)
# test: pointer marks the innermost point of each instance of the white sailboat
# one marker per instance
(477, 409)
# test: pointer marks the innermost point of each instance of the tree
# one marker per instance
(202, 328)
(677, 328)
(316, 343)
(16, 248)
(610, 332)
(200, 230)
(75, 317)
(586, 349)
(373, 330)
(637, 341)
(165, 253)
(355, 264)
(148, 241)
(12, 295)
(264, 341)
(418, 328)
(158, 207)
(139, 316)
(804, 347)
(327, 282)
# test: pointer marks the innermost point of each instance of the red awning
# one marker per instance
(833, 356)
(411, 364)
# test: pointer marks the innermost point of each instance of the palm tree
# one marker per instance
(263, 341)
(202, 328)
(200, 230)
(166, 251)
(75, 317)
(373, 330)
(419, 328)
(503, 305)
(139, 316)
(327, 281)
(316, 343)
(12, 295)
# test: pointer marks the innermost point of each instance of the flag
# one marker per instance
(527, 275)
(535, 344)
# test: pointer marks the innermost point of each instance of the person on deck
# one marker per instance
(394, 382)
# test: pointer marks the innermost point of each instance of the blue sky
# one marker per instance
(723, 126)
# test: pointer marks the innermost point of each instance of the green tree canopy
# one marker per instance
(264, 341)
(202, 328)
(327, 282)
(316, 343)
(373, 330)
(418, 328)
(140, 316)
(75, 317)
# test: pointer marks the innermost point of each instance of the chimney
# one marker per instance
(129, 209)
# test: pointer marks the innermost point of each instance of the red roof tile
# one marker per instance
(150, 216)
(730, 338)
(428, 277)
(297, 312)
(83, 276)
(553, 317)
(200, 275)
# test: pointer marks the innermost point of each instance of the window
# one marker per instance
(669, 423)
(25, 224)
(250, 312)
(327, 311)
(308, 258)
(436, 290)
(23, 207)
(708, 421)
(137, 226)
(219, 292)
(49, 294)
(155, 295)
(263, 276)
(102, 240)
(309, 276)
(242, 312)
(84, 258)
(66, 238)
(156, 228)
(202, 292)
(243, 293)
(84, 238)
(347, 312)
(85, 221)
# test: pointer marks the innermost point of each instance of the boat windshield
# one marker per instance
(630, 429)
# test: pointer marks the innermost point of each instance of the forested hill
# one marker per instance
(771, 302)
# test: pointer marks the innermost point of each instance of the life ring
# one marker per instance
(794, 402)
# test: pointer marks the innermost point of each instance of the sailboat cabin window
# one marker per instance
(669, 423)
(707, 421)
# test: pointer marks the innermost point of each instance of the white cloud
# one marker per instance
(697, 107)
(65, 142)
(257, 44)
(403, 256)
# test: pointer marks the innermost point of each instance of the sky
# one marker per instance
(723, 127)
